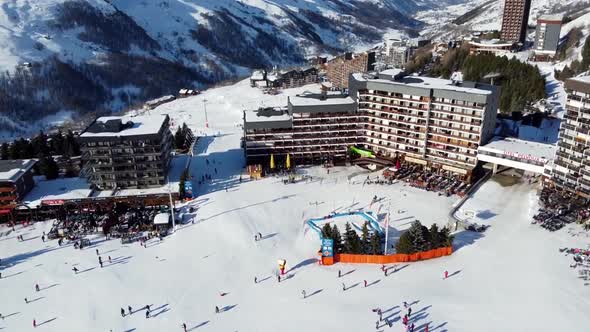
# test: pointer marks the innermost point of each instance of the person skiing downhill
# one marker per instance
(343, 287)
(147, 314)
(75, 270)
(339, 273)
(365, 283)
(446, 274)
(255, 280)
(410, 312)
(216, 309)
(405, 320)
(130, 310)
(303, 293)
(34, 323)
(122, 312)
(184, 326)
(37, 287)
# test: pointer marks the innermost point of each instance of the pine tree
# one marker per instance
(352, 242)
(446, 236)
(365, 244)
(405, 245)
(327, 231)
(179, 139)
(375, 244)
(436, 238)
(4, 151)
(348, 238)
(49, 168)
(420, 236)
(337, 239)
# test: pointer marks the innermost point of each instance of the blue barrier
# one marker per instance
(368, 216)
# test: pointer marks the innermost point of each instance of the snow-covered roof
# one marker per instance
(550, 18)
(491, 43)
(12, 170)
(311, 99)
(520, 148)
(58, 189)
(257, 75)
(276, 114)
(583, 79)
(138, 125)
(162, 218)
(425, 83)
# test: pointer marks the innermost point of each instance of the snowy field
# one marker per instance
(511, 278)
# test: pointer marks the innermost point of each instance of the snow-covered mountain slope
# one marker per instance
(105, 55)
(487, 15)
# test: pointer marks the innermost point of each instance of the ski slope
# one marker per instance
(511, 278)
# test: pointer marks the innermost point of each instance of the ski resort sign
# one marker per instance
(327, 247)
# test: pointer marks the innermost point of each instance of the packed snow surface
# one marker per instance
(510, 278)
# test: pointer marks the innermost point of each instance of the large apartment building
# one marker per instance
(338, 70)
(432, 122)
(547, 36)
(429, 121)
(127, 152)
(313, 129)
(515, 20)
(571, 168)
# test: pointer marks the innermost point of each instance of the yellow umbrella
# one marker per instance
(288, 162)
(272, 161)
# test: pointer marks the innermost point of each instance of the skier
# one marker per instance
(412, 327)
(60, 241)
(303, 293)
(279, 277)
(339, 273)
(259, 236)
(34, 323)
(147, 307)
(216, 309)
(75, 270)
(96, 252)
(405, 320)
(365, 283)
(147, 314)
(100, 261)
(446, 274)
(184, 327)
(376, 325)
(405, 305)
(410, 312)
(390, 323)
(130, 310)
(43, 238)
(37, 287)
(109, 259)
(122, 312)
(380, 313)
(343, 287)
(255, 280)
(26, 301)
(426, 329)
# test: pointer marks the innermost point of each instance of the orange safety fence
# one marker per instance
(387, 259)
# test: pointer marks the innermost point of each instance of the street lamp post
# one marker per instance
(171, 207)
(205, 108)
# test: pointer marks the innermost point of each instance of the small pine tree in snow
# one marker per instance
(375, 244)
(327, 231)
(404, 245)
(337, 239)
(420, 236)
(365, 243)
(437, 239)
